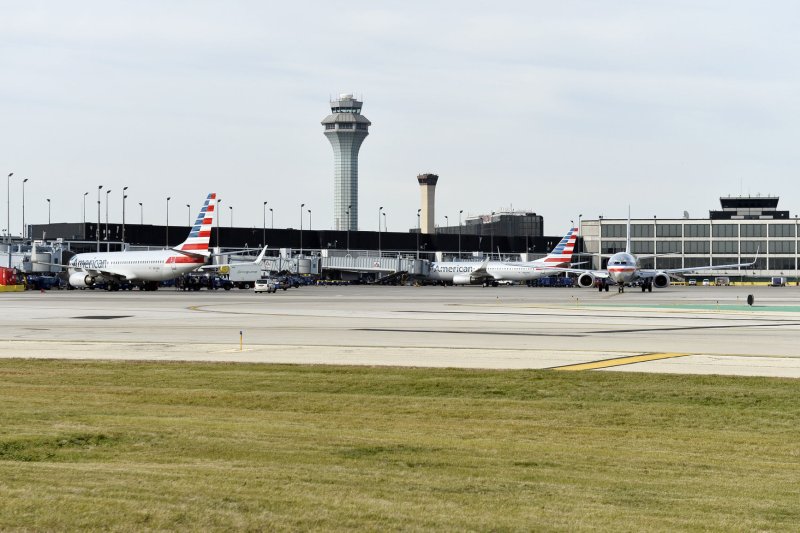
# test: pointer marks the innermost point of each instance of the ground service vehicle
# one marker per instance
(265, 285)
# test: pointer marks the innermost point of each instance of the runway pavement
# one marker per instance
(698, 330)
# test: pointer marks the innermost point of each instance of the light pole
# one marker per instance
(167, 237)
(124, 196)
(189, 213)
(459, 233)
(141, 214)
(48, 211)
(24, 230)
(348, 228)
(385, 227)
(231, 208)
(218, 217)
(271, 220)
(309, 220)
(107, 193)
(418, 231)
(84, 208)
(379, 230)
(301, 228)
(264, 230)
(491, 240)
(8, 213)
(97, 230)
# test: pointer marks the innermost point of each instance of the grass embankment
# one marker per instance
(197, 446)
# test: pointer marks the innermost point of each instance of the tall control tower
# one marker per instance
(346, 129)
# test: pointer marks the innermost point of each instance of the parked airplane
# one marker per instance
(623, 268)
(150, 266)
(494, 272)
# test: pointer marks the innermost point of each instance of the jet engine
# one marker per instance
(586, 280)
(462, 279)
(81, 280)
(661, 280)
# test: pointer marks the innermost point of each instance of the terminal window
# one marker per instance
(641, 230)
(614, 231)
(726, 230)
(696, 247)
(725, 247)
(781, 263)
(781, 230)
(781, 247)
(754, 230)
(668, 230)
(696, 230)
(751, 247)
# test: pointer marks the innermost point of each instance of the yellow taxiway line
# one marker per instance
(606, 363)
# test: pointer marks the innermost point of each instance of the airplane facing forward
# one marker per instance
(494, 272)
(623, 269)
(150, 266)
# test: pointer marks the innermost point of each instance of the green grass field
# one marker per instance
(114, 445)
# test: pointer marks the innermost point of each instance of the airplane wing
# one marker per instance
(596, 273)
(650, 273)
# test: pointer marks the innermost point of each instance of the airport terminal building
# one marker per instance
(743, 227)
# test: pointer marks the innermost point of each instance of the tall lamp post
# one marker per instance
(264, 228)
(167, 237)
(491, 240)
(48, 211)
(141, 214)
(348, 227)
(218, 217)
(124, 196)
(97, 230)
(301, 228)
(271, 220)
(231, 208)
(107, 193)
(24, 229)
(84, 208)
(385, 227)
(189, 214)
(418, 231)
(379, 230)
(459, 233)
(8, 213)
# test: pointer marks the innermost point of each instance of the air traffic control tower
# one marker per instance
(346, 129)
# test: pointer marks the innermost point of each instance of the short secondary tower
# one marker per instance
(427, 185)
(346, 129)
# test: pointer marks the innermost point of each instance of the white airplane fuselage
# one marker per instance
(151, 265)
(623, 268)
(499, 270)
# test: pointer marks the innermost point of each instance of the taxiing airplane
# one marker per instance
(623, 269)
(150, 266)
(495, 272)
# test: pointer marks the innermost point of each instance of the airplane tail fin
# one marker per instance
(562, 253)
(628, 238)
(200, 235)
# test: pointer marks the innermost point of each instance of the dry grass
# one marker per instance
(215, 446)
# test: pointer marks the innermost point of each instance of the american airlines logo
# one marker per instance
(442, 268)
(89, 263)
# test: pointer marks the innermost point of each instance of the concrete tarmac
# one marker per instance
(695, 330)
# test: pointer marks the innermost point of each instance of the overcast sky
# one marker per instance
(563, 108)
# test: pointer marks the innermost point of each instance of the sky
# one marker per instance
(562, 108)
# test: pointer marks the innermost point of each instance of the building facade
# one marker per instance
(744, 228)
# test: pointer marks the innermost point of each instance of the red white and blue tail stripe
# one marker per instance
(199, 237)
(562, 253)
